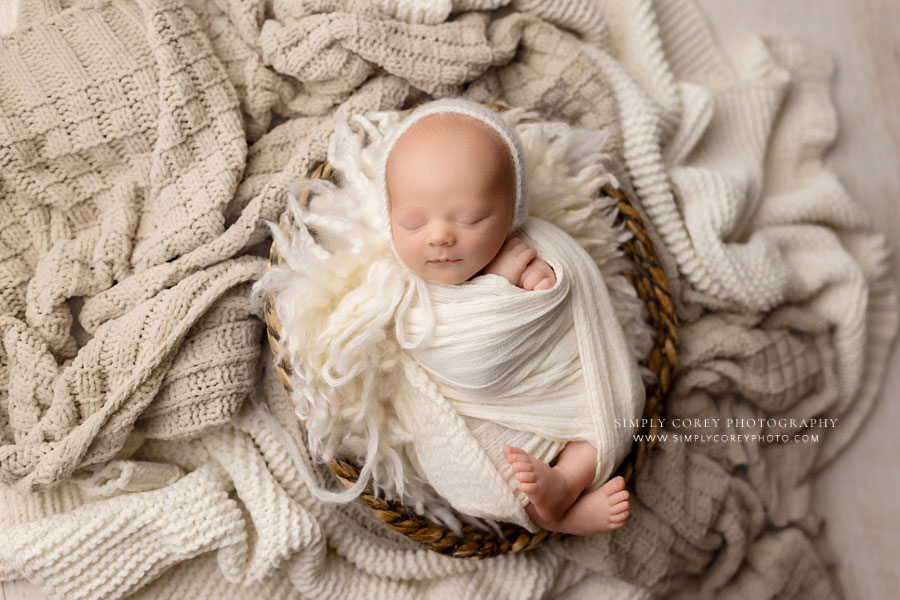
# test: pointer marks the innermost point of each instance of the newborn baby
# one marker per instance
(452, 183)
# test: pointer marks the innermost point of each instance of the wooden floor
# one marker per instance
(858, 494)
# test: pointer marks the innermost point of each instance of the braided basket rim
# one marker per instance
(651, 285)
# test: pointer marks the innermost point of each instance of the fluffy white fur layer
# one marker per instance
(340, 288)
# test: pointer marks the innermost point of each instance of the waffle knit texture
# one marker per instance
(143, 143)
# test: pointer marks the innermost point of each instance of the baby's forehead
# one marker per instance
(437, 148)
(433, 128)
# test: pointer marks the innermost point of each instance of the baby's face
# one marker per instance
(451, 188)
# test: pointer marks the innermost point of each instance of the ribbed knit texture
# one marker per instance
(142, 144)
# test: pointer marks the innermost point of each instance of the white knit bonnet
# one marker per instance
(477, 111)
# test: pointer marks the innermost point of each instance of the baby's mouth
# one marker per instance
(445, 260)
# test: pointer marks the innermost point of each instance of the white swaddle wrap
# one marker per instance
(424, 382)
(553, 363)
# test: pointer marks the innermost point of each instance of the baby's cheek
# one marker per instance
(410, 252)
(488, 253)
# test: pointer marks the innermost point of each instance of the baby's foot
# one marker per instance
(549, 490)
(603, 509)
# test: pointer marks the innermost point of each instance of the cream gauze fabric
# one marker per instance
(552, 364)
(532, 369)
(480, 364)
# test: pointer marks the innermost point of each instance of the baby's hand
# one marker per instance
(511, 260)
(538, 275)
(521, 266)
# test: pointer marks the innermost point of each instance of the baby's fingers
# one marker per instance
(531, 277)
(545, 284)
(538, 276)
(525, 255)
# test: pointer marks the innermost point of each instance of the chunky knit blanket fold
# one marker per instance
(143, 143)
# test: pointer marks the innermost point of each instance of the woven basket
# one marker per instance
(652, 287)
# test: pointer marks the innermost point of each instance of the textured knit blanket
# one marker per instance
(143, 143)
(423, 382)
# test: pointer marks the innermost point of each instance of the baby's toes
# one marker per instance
(613, 485)
(526, 476)
(618, 497)
(523, 466)
(520, 461)
(513, 454)
(528, 488)
(618, 508)
(620, 517)
(510, 450)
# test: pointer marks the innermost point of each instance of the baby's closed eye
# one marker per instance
(412, 224)
(472, 220)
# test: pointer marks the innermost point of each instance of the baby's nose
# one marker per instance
(441, 236)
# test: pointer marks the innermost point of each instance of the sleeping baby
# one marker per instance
(454, 184)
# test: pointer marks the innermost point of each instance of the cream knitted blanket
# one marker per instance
(142, 144)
